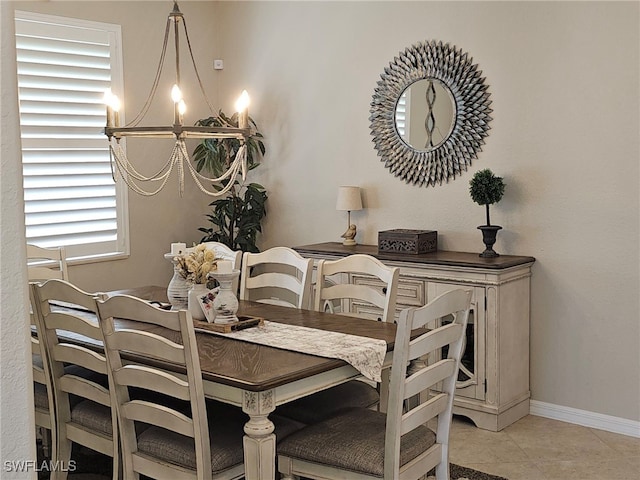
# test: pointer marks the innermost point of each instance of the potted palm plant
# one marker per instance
(236, 219)
(486, 189)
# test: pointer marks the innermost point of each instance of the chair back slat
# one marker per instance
(152, 379)
(160, 416)
(69, 321)
(132, 308)
(76, 355)
(355, 292)
(429, 409)
(357, 263)
(428, 377)
(148, 344)
(86, 389)
(279, 276)
(269, 279)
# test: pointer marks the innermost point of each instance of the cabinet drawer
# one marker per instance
(411, 293)
(367, 311)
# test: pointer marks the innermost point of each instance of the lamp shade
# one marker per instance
(349, 199)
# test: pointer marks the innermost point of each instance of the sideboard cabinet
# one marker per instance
(493, 382)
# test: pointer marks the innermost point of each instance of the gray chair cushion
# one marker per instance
(93, 416)
(327, 403)
(40, 396)
(353, 441)
(226, 431)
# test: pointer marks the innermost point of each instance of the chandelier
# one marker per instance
(179, 158)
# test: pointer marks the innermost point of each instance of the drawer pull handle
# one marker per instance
(384, 290)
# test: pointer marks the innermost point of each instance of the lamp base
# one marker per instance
(349, 242)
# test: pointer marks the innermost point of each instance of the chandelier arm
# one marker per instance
(156, 80)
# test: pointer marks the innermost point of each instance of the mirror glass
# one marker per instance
(425, 114)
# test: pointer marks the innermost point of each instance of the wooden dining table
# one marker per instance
(258, 378)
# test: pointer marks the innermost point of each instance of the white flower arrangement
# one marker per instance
(194, 266)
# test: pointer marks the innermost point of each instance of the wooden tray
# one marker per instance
(244, 321)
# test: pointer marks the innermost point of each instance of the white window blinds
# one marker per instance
(402, 115)
(71, 200)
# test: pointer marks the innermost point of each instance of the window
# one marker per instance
(71, 200)
(402, 115)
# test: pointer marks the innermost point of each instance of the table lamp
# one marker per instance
(349, 199)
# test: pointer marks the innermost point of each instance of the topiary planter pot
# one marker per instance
(489, 233)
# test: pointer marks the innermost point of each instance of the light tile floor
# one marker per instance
(537, 448)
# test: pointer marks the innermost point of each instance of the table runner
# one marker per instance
(363, 353)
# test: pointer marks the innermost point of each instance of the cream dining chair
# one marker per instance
(353, 282)
(78, 375)
(181, 440)
(278, 276)
(360, 443)
(46, 263)
(43, 264)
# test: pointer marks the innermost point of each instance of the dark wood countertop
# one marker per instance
(441, 257)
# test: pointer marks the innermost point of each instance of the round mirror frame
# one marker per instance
(455, 69)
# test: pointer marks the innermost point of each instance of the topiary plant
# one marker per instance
(486, 189)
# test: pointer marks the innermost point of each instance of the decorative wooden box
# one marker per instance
(412, 242)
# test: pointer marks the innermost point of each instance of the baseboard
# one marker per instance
(585, 418)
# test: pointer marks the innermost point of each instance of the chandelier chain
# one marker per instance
(179, 157)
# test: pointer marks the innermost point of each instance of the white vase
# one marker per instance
(178, 288)
(225, 305)
(196, 291)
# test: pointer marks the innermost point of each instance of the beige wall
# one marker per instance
(564, 84)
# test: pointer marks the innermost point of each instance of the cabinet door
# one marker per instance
(471, 377)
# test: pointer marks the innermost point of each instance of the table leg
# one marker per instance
(259, 442)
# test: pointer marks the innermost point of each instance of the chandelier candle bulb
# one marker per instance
(116, 111)
(242, 107)
(109, 117)
(224, 266)
(107, 99)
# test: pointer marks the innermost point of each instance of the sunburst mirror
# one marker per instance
(430, 113)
